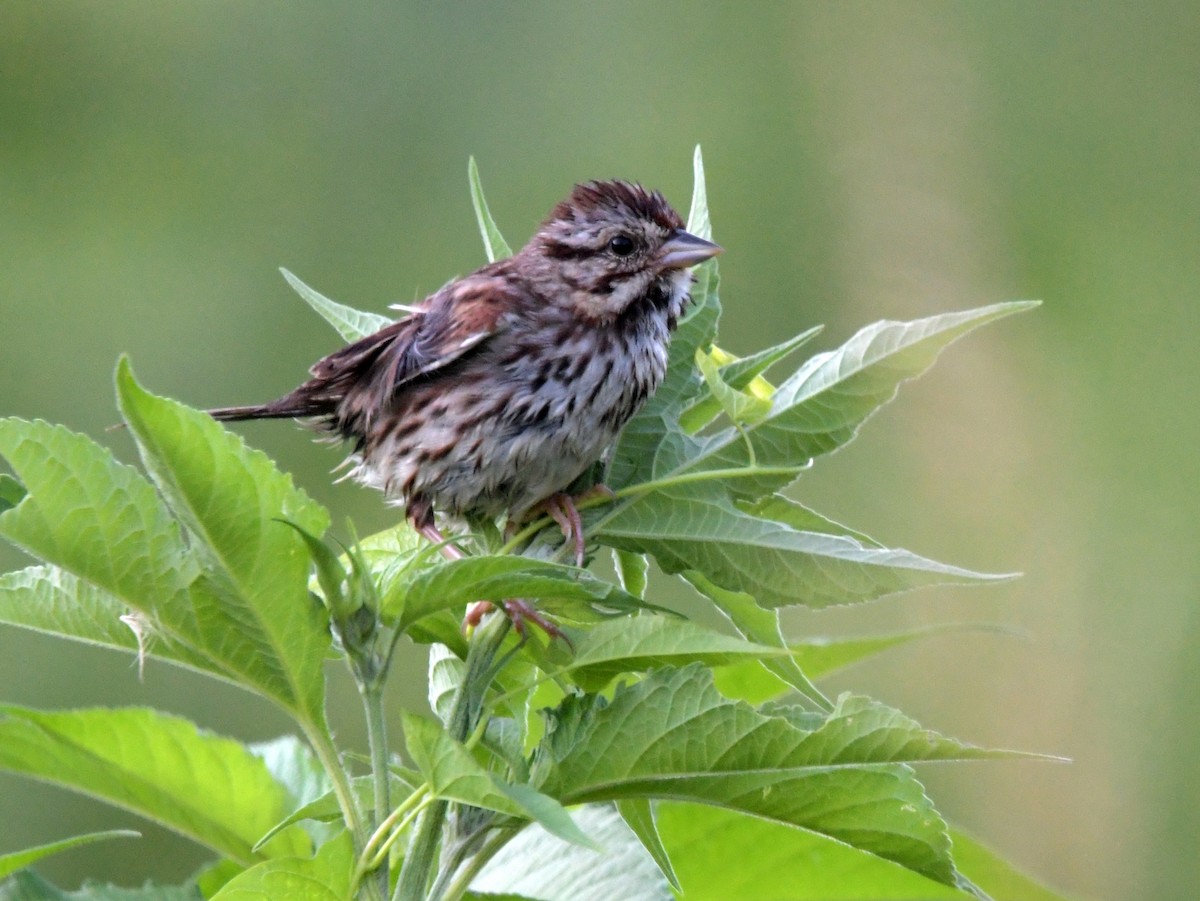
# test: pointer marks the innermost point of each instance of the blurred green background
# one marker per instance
(158, 161)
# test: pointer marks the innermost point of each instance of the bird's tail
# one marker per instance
(296, 405)
(262, 411)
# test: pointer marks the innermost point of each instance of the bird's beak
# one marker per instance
(684, 249)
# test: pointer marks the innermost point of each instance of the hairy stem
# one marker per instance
(419, 864)
(326, 753)
(477, 862)
(372, 698)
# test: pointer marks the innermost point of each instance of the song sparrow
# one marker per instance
(502, 387)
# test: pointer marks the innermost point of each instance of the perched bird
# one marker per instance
(504, 386)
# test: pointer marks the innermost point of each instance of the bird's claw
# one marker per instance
(520, 612)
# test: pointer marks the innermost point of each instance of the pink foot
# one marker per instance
(520, 612)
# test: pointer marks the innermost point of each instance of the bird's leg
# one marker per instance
(564, 510)
(518, 610)
(431, 532)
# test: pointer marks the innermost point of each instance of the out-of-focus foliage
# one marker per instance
(159, 160)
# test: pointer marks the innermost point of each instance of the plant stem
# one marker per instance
(326, 753)
(422, 855)
(323, 747)
(372, 698)
(463, 881)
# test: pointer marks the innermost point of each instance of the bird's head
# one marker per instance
(615, 245)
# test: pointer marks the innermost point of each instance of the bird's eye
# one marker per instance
(621, 245)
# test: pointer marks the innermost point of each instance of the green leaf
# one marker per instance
(539, 866)
(722, 854)
(294, 766)
(635, 644)
(744, 373)
(325, 809)
(12, 492)
(763, 626)
(207, 788)
(778, 508)
(453, 583)
(348, 322)
(639, 816)
(103, 523)
(28, 886)
(631, 571)
(325, 877)
(257, 607)
(817, 657)
(493, 242)
(19, 860)
(740, 373)
(212, 876)
(672, 735)
(92, 515)
(330, 573)
(738, 406)
(822, 405)
(446, 672)
(53, 601)
(453, 774)
(998, 877)
(686, 528)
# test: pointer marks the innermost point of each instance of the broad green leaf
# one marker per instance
(721, 854)
(493, 242)
(208, 788)
(782, 509)
(230, 497)
(19, 860)
(292, 763)
(672, 735)
(455, 775)
(93, 516)
(12, 492)
(53, 601)
(686, 528)
(325, 877)
(453, 583)
(28, 886)
(640, 816)
(817, 657)
(210, 878)
(631, 571)
(822, 405)
(103, 523)
(633, 644)
(539, 866)
(763, 626)
(390, 552)
(348, 322)
(993, 874)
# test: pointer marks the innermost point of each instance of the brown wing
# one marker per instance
(355, 382)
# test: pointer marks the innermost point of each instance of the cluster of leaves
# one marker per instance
(637, 761)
